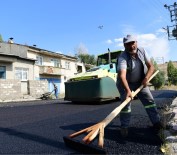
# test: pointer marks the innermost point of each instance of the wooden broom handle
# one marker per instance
(117, 110)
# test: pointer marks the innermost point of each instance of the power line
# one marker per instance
(172, 30)
(155, 8)
(159, 9)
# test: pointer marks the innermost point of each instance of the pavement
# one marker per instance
(29, 98)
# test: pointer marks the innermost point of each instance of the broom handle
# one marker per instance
(117, 110)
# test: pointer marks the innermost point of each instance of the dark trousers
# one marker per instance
(146, 99)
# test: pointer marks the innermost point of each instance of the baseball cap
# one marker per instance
(129, 38)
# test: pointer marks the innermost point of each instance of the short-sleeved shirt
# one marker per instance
(135, 73)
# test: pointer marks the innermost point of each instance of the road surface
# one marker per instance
(38, 127)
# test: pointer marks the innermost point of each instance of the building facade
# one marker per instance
(26, 63)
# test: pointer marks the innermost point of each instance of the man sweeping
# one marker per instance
(134, 69)
(55, 90)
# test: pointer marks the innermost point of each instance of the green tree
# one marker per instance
(83, 56)
(86, 58)
(174, 77)
(172, 73)
(159, 80)
(1, 40)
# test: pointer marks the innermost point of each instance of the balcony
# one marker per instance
(49, 70)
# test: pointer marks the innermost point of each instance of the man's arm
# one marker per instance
(150, 71)
(122, 76)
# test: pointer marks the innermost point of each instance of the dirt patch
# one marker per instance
(172, 87)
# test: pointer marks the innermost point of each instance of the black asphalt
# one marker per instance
(38, 127)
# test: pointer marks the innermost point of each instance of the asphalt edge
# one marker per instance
(170, 134)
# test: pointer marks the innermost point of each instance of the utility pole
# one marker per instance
(172, 30)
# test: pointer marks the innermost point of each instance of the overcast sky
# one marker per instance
(96, 25)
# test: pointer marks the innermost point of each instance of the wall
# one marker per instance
(37, 87)
(9, 70)
(10, 89)
(17, 62)
(14, 49)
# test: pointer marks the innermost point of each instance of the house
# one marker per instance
(54, 67)
(29, 63)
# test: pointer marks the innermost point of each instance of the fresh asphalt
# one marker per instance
(38, 127)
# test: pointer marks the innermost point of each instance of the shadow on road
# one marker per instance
(32, 137)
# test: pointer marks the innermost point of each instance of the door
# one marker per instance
(50, 83)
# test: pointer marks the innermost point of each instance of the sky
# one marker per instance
(63, 26)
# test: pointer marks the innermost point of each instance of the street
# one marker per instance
(38, 127)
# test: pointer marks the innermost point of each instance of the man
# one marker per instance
(55, 90)
(134, 69)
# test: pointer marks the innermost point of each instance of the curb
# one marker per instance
(170, 135)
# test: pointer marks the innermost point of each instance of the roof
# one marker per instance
(113, 54)
(15, 56)
(51, 52)
(44, 51)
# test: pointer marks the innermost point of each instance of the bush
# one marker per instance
(159, 80)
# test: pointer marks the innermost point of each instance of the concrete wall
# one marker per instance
(13, 89)
(9, 69)
(20, 63)
(10, 89)
(14, 49)
(37, 87)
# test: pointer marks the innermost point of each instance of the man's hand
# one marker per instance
(129, 94)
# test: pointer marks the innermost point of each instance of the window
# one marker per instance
(2, 72)
(79, 69)
(21, 73)
(67, 65)
(39, 60)
(55, 63)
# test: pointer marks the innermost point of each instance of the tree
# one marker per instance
(83, 56)
(1, 40)
(172, 73)
(81, 49)
(87, 59)
(174, 77)
(159, 80)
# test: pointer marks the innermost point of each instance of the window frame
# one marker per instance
(3, 72)
(67, 65)
(55, 62)
(39, 60)
(21, 73)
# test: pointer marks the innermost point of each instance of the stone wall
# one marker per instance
(37, 87)
(10, 89)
